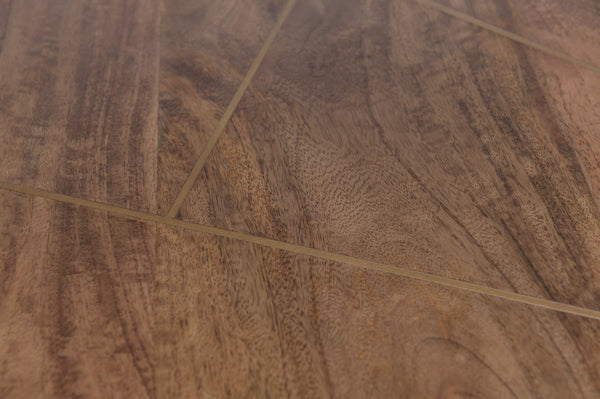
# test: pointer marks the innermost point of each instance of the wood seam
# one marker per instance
(212, 141)
(517, 38)
(302, 250)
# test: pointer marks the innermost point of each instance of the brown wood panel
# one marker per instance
(75, 302)
(206, 48)
(237, 320)
(390, 131)
(97, 306)
(79, 98)
(567, 26)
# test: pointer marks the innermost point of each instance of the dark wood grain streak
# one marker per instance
(79, 98)
(5, 6)
(206, 49)
(392, 132)
(75, 302)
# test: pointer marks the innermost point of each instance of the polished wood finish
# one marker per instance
(78, 98)
(393, 132)
(385, 130)
(206, 49)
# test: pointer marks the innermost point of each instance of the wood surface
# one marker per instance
(239, 320)
(89, 310)
(570, 27)
(78, 98)
(385, 130)
(206, 48)
(78, 116)
(75, 302)
(393, 132)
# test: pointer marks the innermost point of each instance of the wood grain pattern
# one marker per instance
(392, 132)
(75, 302)
(570, 27)
(88, 310)
(79, 98)
(384, 130)
(238, 320)
(206, 49)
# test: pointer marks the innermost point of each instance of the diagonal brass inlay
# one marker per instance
(467, 18)
(212, 141)
(299, 249)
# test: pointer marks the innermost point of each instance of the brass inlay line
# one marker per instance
(510, 35)
(212, 141)
(317, 253)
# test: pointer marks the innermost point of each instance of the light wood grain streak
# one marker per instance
(212, 141)
(509, 35)
(267, 242)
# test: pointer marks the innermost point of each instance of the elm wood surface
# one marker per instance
(570, 27)
(206, 48)
(392, 132)
(79, 98)
(239, 320)
(75, 302)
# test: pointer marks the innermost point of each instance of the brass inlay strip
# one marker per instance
(212, 141)
(299, 249)
(509, 35)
